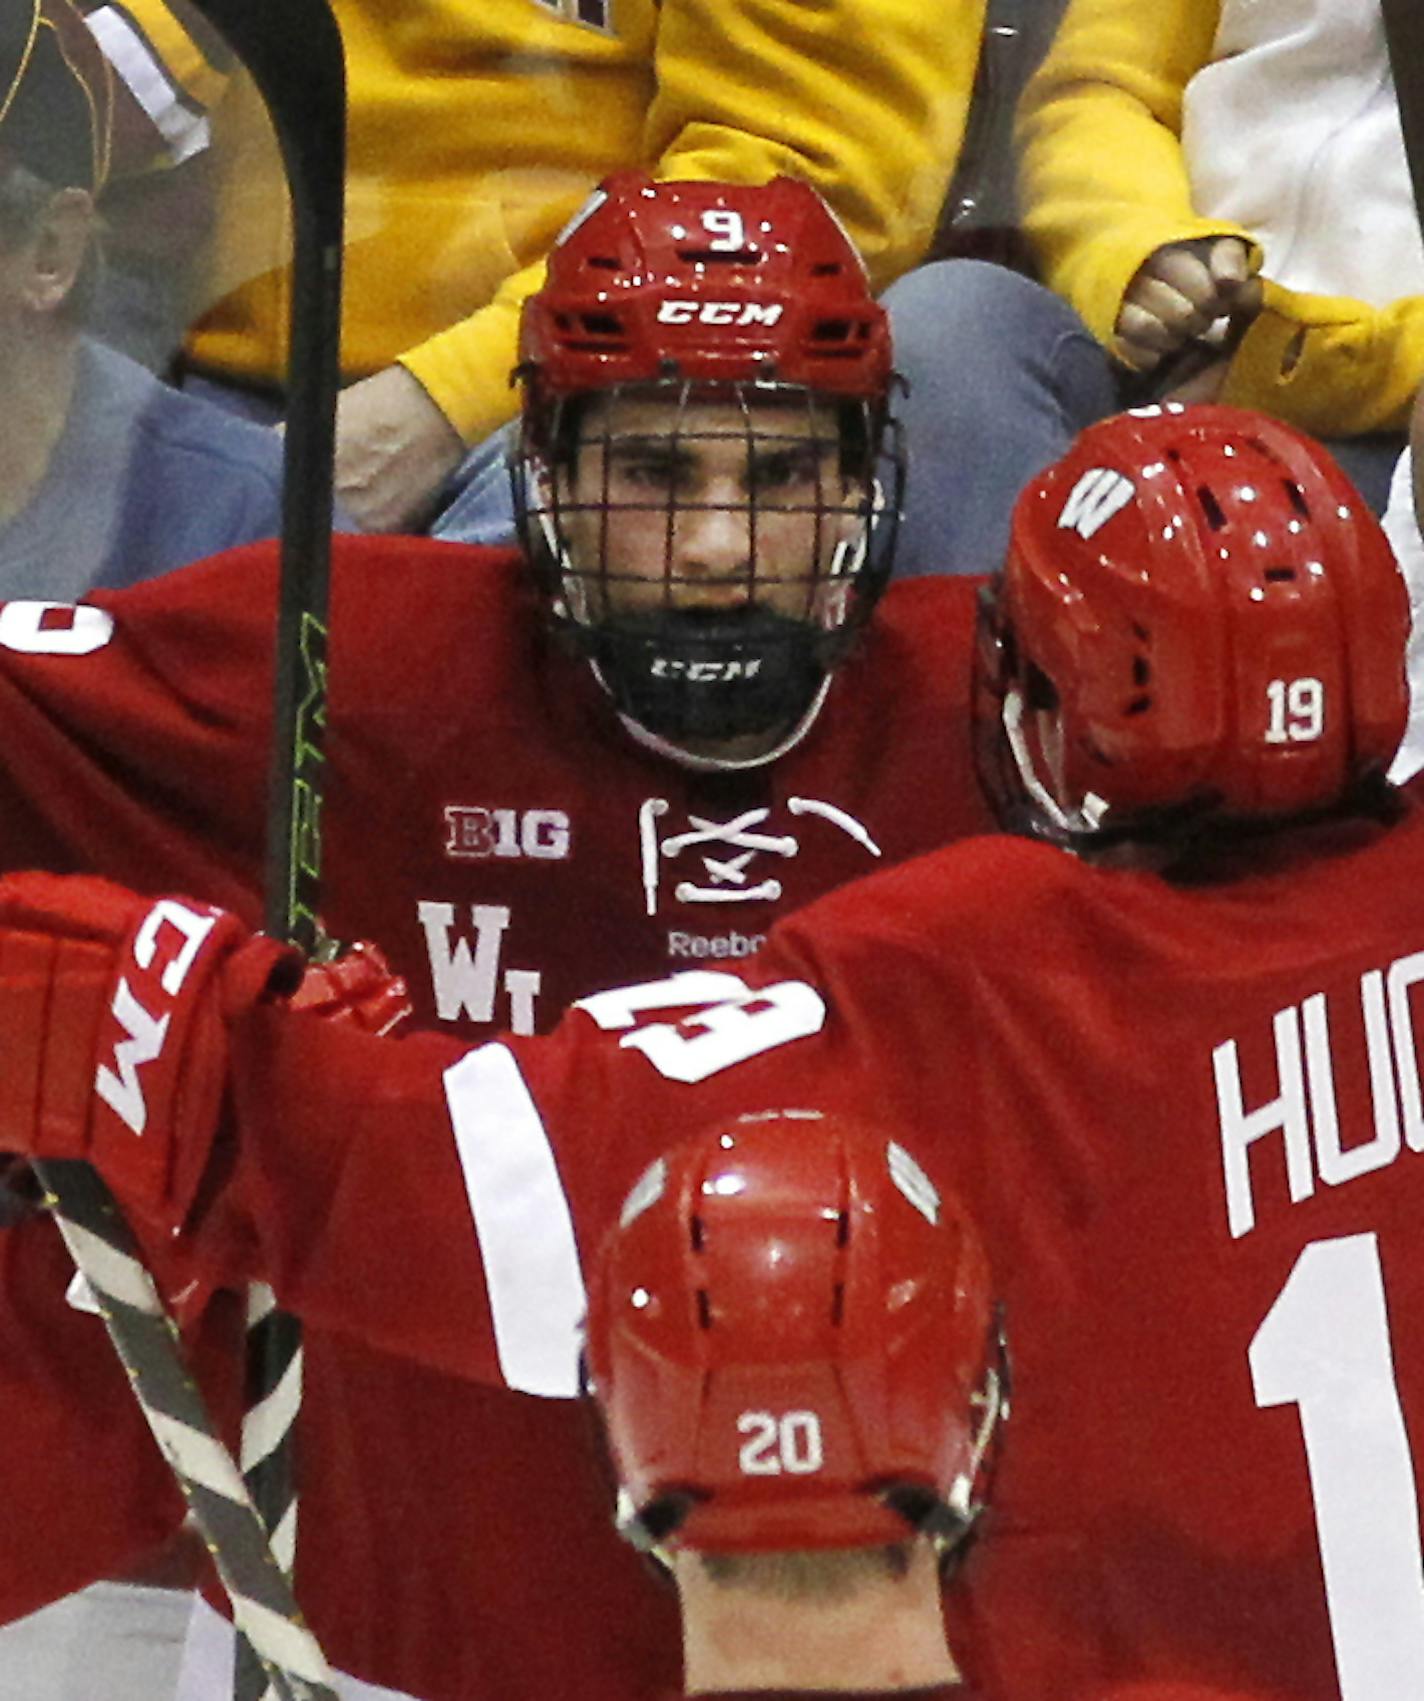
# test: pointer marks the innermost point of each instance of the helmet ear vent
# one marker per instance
(720, 256)
(704, 1309)
(838, 1305)
(827, 269)
(1296, 497)
(605, 262)
(1211, 508)
(697, 1234)
(1280, 575)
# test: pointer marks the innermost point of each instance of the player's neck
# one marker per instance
(39, 386)
(889, 1635)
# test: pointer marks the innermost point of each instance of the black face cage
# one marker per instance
(693, 654)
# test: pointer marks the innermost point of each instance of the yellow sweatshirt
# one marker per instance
(1147, 122)
(477, 127)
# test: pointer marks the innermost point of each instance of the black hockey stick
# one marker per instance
(292, 49)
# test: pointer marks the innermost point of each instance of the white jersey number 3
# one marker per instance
(1324, 1348)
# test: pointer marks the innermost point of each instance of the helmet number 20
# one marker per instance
(790, 1443)
(1297, 711)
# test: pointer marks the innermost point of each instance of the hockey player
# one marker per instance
(539, 785)
(791, 1345)
(1169, 1058)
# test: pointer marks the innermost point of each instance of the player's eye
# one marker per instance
(784, 470)
(650, 474)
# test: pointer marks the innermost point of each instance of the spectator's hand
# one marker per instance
(1203, 386)
(1179, 293)
(394, 449)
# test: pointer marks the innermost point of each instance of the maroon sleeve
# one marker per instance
(136, 731)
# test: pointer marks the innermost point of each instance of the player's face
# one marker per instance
(708, 504)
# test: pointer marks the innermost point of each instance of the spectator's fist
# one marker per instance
(1180, 293)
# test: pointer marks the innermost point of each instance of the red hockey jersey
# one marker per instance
(491, 823)
(1186, 1113)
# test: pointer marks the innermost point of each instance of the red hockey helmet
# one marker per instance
(790, 1337)
(710, 281)
(1198, 617)
(722, 326)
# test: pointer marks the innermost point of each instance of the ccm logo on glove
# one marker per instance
(172, 934)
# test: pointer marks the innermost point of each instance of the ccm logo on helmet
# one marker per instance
(718, 313)
(179, 933)
(705, 672)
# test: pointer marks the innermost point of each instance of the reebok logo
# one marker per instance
(701, 945)
(166, 945)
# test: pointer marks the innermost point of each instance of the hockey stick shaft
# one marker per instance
(146, 1341)
(283, 46)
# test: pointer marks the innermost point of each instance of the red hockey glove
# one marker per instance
(358, 988)
(113, 1028)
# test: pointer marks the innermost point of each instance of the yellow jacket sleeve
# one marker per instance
(1102, 178)
(864, 99)
(1332, 366)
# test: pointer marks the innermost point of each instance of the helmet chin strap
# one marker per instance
(661, 746)
(1088, 819)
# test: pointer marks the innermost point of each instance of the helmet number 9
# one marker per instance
(789, 1443)
(1297, 711)
(726, 230)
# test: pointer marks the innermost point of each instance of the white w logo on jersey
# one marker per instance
(1094, 499)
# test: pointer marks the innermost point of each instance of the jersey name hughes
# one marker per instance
(1307, 1125)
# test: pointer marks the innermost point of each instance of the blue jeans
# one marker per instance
(1003, 375)
(481, 510)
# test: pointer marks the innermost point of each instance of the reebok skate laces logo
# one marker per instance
(120, 1086)
(727, 877)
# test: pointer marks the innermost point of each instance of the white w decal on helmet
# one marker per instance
(1094, 499)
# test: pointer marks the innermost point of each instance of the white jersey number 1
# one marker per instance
(1324, 1347)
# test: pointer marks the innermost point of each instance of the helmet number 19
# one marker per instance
(789, 1444)
(1297, 711)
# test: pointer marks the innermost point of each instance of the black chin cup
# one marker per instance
(686, 675)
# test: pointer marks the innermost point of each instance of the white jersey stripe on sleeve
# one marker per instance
(522, 1220)
(185, 131)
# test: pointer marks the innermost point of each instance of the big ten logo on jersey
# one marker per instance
(473, 832)
(709, 867)
(1342, 1067)
(467, 970)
